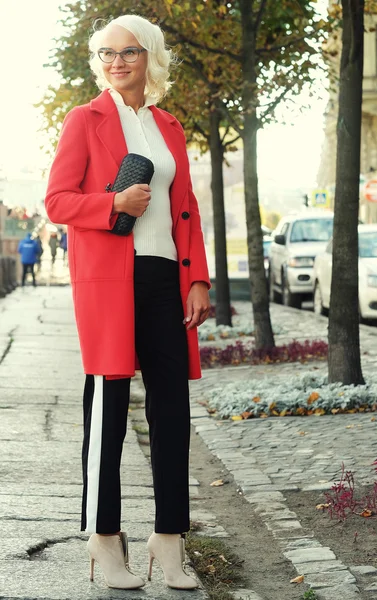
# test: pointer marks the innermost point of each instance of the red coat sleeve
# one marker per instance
(198, 261)
(65, 202)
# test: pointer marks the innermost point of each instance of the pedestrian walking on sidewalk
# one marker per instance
(63, 244)
(40, 252)
(53, 243)
(138, 298)
(29, 250)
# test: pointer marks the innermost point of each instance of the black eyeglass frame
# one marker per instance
(138, 50)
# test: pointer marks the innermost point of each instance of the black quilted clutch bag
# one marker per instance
(133, 169)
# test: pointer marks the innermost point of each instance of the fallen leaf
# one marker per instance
(263, 416)
(223, 558)
(217, 483)
(349, 426)
(256, 399)
(246, 414)
(211, 411)
(373, 419)
(302, 432)
(211, 569)
(319, 412)
(298, 579)
(367, 513)
(236, 418)
(322, 506)
(313, 397)
(197, 553)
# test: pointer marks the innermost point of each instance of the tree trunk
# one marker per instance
(259, 294)
(344, 338)
(223, 311)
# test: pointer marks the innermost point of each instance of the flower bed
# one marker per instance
(245, 353)
(296, 396)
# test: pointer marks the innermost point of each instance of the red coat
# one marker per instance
(88, 156)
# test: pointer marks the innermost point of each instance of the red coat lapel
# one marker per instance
(109, 128)
(176, 142)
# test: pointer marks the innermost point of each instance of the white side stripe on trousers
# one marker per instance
(94, 456)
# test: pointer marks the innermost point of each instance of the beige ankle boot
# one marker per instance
(169, 550)
(111, 553)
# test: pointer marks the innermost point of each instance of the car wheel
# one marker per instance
(319, 309)
(274, 295)
(289, 299)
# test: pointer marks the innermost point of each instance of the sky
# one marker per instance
(289, 153)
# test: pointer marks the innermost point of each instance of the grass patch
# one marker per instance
(140, 429)
(219, 569)
(310, 595)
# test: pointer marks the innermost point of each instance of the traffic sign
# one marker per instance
(370, 190)
(321, 199)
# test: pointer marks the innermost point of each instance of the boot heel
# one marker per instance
(91, 569)
(151, 559)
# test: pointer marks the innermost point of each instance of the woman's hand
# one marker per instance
(133, 201)
(198, 305)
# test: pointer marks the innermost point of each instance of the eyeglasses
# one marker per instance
(128, 55)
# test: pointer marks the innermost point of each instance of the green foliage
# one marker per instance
(207, 39)
(310, 595)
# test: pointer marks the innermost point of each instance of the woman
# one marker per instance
(138, 299)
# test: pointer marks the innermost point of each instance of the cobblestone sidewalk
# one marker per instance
(268, 457)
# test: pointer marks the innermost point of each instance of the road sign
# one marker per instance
(321, 199)
(370, 190)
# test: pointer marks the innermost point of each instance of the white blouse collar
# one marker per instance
(117, 97)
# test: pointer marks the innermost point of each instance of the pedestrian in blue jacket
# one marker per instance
(28, 248)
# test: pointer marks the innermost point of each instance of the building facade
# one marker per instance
(368, 166)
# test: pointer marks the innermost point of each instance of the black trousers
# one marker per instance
(161, 346)
(25, 269)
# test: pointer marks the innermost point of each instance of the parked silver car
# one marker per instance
(367, 275)
(297, 240)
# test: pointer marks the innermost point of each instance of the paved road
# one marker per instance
(42, 552)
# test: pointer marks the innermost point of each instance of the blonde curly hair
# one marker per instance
(151, 38)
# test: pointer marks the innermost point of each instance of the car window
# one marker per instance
(312, 230)
(285, 229)
(368, 244)
(279, 227)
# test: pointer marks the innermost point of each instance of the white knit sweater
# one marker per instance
(152, 231)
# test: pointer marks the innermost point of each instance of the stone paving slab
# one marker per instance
(60, 573)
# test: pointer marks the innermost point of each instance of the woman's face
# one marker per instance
(124, 77)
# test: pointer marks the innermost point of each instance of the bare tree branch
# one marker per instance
(271, 49)
(274, 104)
(259, 16)
(181, 38)
(233, 141)
(225, 134)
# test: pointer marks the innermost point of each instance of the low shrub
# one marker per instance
(241, 353)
